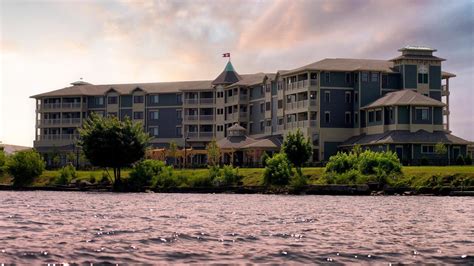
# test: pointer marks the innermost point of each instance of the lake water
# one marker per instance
(76, 227)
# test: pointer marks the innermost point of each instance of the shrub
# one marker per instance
(231, 175)
(166, 179)
(298, 182)
(297, 148)
(66, 174)
(3, 160)
(362, 167)
(264, 158)
(468, 160)
(92, 179)
(105, 179)
(143, 173)
(25, 166)
(460, 160)
(278, 170)
(200, 181)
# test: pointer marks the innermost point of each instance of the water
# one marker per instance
(76, 227)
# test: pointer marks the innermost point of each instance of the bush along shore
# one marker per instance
(113, 145)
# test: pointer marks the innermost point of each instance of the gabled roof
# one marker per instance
(405, 136)
(228, 76)
(404, 97)
(252, 79)
(265, 143)
(445, 74)
(158, 87)
(345, 64)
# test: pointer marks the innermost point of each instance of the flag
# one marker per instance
(226, 55)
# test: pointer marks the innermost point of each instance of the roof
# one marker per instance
(346, 64)
(405, 136)
(417, 48)
(404, 97)
(445, 74)
(228, 76)
(234, 142)
(265, 143)
(418, 57)
(236, 126)
(253, 79)
(10, 149)
(157, 87)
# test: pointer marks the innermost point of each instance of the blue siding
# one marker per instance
(126, 101)
(256, 117)
(337, 79)
(338, 108)
(257, 92)
(91, 102)
(370, 92)
(393, 81)
(411, 81)
(330, 148)
(438, 115)
(435, 95)
(435, 77)
(165, 99)
(167, 122)
(403, 115)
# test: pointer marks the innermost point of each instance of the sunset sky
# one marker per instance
(46, 45)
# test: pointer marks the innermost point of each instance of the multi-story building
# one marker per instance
(400, 104)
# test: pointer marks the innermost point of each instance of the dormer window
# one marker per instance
(112, 100)
(138, 99)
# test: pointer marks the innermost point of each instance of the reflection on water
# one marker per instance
(75, 227)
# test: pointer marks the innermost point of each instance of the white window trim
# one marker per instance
(348, 97)
(427, 149)
(327, 113)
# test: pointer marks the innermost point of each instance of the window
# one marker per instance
(155, 99)
(371, 116)
(327, 96)
(327, 77)
(356, 77)
(427, 149)
(384, 81)
(374, 77)
(422, 78)
(280, 104)
(179, 114)
(365, 77)
(267, 87)
(137, 115)
(356, 118)
(154, 131)
(327, 117)
(220, 111)
(269, 123)
(390, 113)
(378, 116)
(139, 99)
(348, 117)
(262, 126)
(348, 96)
(262, 108)
(280, 121)
(99, 100)
(220, 94)
(154, 115)
(267, 106)
(348, 77)
(262, 91)
(179, 98)
(422, 114)
(356, 96)
(112, 100)
(251, 109)
(220, 128)
(179, 131)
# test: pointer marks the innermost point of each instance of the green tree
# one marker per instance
(278, 170)
(213, 153)
(71, 157)
(3, 160)
(25, 166)
(108, 142)
(440, 148)
(297, 148)
(173, 151)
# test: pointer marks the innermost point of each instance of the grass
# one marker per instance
(412, 176)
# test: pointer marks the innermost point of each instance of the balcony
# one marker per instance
(302, 84)
(206, 100)
(280, 127)
(191, 101)
(301, 124)
(232, 99)
(200, 135)
(268, 130)
(50, 106)
(71, 105)
(49, 122)
(71, 121)
(191, 117)
(206, 117)
(56, 137)
(243, 114)
(444, 90)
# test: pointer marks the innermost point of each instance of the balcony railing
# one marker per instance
(201, 135)
(301, 124)
(71, 105)
(59, 137)
(50, 106)
(191, 101)
(268, 130)
(301, 84)
(243, 114)
(71, 121)
(280, 127)
(191, 117)
(206, 117)
(231, 99)
(49, 122)
(206, 100)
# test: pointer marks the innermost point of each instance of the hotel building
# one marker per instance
(400, 104)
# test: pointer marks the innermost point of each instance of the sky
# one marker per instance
(45, 45)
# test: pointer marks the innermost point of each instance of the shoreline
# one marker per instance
(333, 190)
